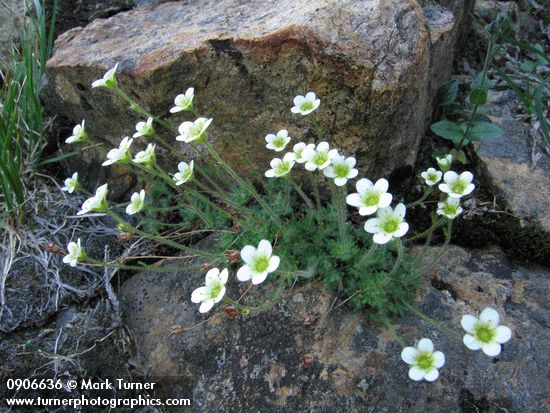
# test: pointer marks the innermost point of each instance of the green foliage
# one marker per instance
(21, 116)
(368, 280)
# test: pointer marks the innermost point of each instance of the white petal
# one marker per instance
(206, 306)
(382, 185)
(298, 100)
(416, 373)
(273, 263)
(469, 189)
(408, 355)
(351, 161)
(372, 225)
(431, 375)
(504, 334)
(385, 200)
(354, 200)
(310, 166)
(468, 323)
(471, 342)
(426, 345)
(248, 253)
(353, 173)
(402, 230)
(295, 109)
(310, 96)
(363, 185)
(270, 173)
(199, 294)
(380, 238)
(439, 359)
(244, 273)
(369, 210)
(466, 176)
(401, 210)
(329, 172)
(270, 138)
(220, 295)
(259, 278)
(340, 181)
(492, 349)
(264, 248)
(212, 276)
(490, 316)
(444, 188)
(450, 176)
(323, 147)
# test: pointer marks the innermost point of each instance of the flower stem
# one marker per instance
(426, 194)
(94, 262)
(399, 258)
(431, 321)
(315, 185)
(443, 249)
(300, 192)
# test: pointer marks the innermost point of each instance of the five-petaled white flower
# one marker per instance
(108, 80)
(388, 224)
(450, 208)
(258, 262)
(213, 290)
(76, 253)
(136, 202)
(185, 172)
(277, 142)
(121, 154)
(144, 128)
(79, 134)
(341, 169)
(281, 167)
(183, 102)
(424, 361)
(431, 176)
(369, 197)
(147, 156)
(457, 186)
(445, 162)
(71, 183)
(485, 333)
(96, 203)
(318, 157)
(304, 105)
(193, 131)
(298, 150)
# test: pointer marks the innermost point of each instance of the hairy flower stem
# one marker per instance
(399, 259)
(235, 304)
(427, 233)
(315, 185)
(369, 254)
(426, 194)
(162, 240)
(337, 200)
(443, 249)
(429, 320)
(300, 192)
(95, 263)
(242, 183)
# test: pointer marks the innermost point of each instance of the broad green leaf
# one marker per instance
(481, 81)
(447, 93)
(478, 97)
(448, 130)
(480, 131)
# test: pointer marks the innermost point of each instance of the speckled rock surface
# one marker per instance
(310, 354)
(11, 21)
(507, 164)
(368, 60)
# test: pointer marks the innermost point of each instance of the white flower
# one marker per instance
(193, 131)
(423, 360)
(388, 224)
(281, 167)
(213, 290)
(184, 102)
(277, 142)
(144, 128)
(304, 105)
(318, 157)
(136, 202)
(298, 150)
(445, 162)
(71, 183)
(76, 253)
(450, 208)
(369, 197)
(121, 154)
(457, 186)
(96, 203)
(485, 333)
(185, 172)
(259, 262)
(341, 169)
(432, 176)
(109, 79)
(147, 156)
(79, 134)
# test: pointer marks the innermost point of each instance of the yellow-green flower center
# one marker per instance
(341, 170)
(282, 168)
(424, 360)
(391, 225)
(320, 158)
(278, 142)
(450, 209)
(306, 105)
(372, 198)
(432, 176)
(260, 264)
(484, 333)
(216, 288)
(458, 186)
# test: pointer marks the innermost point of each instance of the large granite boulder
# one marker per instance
(374, 64)
(309, 353)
